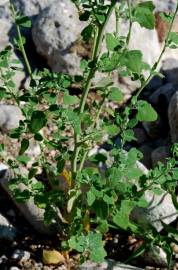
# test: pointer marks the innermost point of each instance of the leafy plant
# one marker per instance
(83, 199)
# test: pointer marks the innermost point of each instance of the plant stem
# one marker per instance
(21, 45)
(130, 21)
(96, 49)
(154, 67)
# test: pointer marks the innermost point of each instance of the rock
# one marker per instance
(173, 117)
(109, 264)
(32, 7)
(155, 83)
(14, 268)
(57, 44)
(20, 255)
(33, 214)
(7, 230)
(10, 116)
(170, 70)
(55, 33)
(160, 208)
(162, 96)
(140, 135)
(146, 150)
(153, 129)
(160, 154)
(156, 256)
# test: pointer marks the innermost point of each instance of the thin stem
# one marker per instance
(117, 21)
(130, 21)
(96, 49)
(154, 67)
(21, 44)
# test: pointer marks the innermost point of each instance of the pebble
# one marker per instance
(21, 255)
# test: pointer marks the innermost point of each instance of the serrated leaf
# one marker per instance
(145, 112)
(143, 14)
(115, 94)
(38, 121)
(23, 21)
(70, 100)
(24, 146)
(111, 42)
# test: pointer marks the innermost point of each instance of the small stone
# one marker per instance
(156, 256)
(21, 255)
(160, 154)
(7, 230)
(9, 117)
(3, 259)
(14, 268)
(109, 264)
(173, 117)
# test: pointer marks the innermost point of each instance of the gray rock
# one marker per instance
(33, 214)
(162, 96)
(9, 117)
(156, 256)
(21, 255)
(109, 264)
(55, 33)
(160, 154)
(7, 230)
(153, 129)
(173, 117)
(170, 70)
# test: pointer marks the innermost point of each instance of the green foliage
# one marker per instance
(85, 200)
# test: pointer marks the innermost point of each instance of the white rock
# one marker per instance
(14, 268)
(109, 264)
(156, 256)
(9, 117)
(7, 230)
(170, 70)
(33, 214)
(55, 32)
(21, 255)
(173, 117)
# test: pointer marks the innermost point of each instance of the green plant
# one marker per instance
(84, 200)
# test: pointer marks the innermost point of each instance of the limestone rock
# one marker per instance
(10, 116)
(55, 32)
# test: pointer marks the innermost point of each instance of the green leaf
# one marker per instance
(115, 94)
(23, 21)
(70, 100)
(23, 159)
(121, 218)
(38, 121)
(104, 83)
(143, 14)
(96, 243)
(112, 130)
(90, 197)
(111, 42)
(172, 41)
(145, 112)
(133, 61)
(24, 146)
